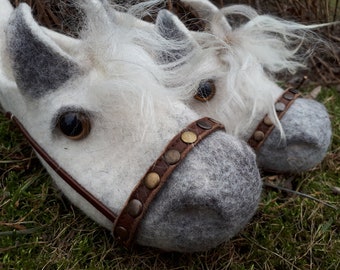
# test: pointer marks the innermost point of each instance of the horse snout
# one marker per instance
(308, 133)
(208, 198)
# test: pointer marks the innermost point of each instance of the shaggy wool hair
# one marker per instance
(244, 61)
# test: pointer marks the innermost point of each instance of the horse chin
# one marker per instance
(207, 200)
(307, 130)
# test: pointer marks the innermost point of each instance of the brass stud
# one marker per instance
(204, 125)
(152, 180)
(289, 96)
(189, 137)
(121, 233)
(258, 136)
(280, 107)
(172, 157)
(268, 121)
(134, 208)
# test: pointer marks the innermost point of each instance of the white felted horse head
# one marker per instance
(98, 115)
(248, 55)
(237, 67)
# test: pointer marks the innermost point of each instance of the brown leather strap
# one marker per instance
(136, 206)
(62, 173)
(266, 126)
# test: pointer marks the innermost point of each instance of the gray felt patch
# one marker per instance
(308, 135)
(38, 69)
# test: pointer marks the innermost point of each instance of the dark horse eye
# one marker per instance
(206, 91)
(74, 125)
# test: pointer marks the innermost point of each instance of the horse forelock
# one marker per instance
(121, 51)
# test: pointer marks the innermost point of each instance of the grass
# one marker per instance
(40, 229)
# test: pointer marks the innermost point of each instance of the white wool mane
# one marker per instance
(140, 48)
(275, 42)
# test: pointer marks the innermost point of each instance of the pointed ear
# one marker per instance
(39, 64)
(173, 30)
(209, 13)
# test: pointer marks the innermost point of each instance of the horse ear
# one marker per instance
(39, 64)
(208, 12)
(173, 30)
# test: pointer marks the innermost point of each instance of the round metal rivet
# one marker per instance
(258, 136)
(294, 91)
(203, 124)
(189, 137)
(280, 107)
(121, 233)
(172, 157)
(289, 96)
(268, 121)
(152, 180)
(134, 208)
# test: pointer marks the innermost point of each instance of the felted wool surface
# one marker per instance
(198, 211)
(57, 68)
(308, 134)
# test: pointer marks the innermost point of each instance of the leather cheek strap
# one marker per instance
(127, 223)
(266, 126)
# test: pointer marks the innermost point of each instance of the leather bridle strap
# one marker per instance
(62, 173)
(126, 224)
(151, 183)
(266, 126)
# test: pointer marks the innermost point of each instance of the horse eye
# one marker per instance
(74, 125)
(206, 91)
